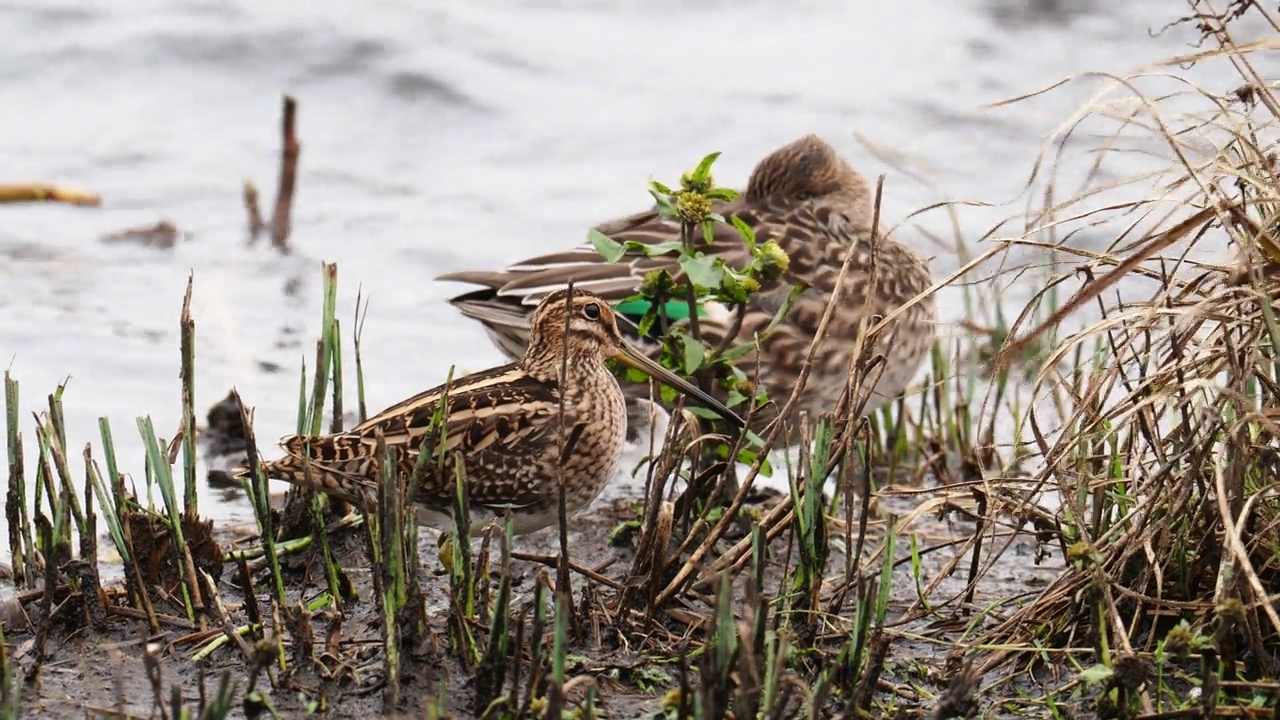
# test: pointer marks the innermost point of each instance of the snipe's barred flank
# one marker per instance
(818, 209)
(506, 427)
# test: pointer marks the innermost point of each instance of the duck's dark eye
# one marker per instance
(591, 311)
(804, 195)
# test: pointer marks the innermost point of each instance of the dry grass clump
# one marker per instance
(1156, 423)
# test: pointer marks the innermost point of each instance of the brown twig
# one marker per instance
(552, 561)
(153, 618)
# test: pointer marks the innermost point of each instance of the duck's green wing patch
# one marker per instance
(676, 309)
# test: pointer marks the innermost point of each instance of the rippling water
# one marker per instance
(448, 137)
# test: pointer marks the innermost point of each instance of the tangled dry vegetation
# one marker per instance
(1154, 423)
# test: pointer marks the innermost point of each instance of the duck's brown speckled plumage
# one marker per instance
(817, 208)
(506, 426)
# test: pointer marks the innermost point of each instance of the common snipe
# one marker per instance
(818, 209)
(516, 429)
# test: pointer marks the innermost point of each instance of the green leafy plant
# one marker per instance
(671, 305)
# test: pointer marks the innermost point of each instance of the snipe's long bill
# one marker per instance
(517, 431)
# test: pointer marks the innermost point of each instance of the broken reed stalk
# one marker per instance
(566, 443)
(462, 576)
(362, 312)
(82, 574)
(651, 553)
(258, 490)
(412, 616)
(392, 543)
(10, 706)
(853, 558)
(21, 545)
(809, 527)
(388, 529)
(335, 352)
(139, 598)
(110, 510)
(44, 622)
(49, 554)
(66, 507)
(219, 613)
(326, 349)
(95, 599)
(490, 674)
(254, 210)
(537, 660)
(559, 649)
(290, 149)
(328, 364)
(159, 466)
(187, 332)
(55, 415)
(301, 501)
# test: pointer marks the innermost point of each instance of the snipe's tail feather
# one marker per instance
(333, 464)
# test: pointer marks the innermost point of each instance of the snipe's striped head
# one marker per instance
(572, 328)
(578, 322)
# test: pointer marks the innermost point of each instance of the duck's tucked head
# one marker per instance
(808, 171)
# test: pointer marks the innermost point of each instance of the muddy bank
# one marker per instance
(128, 669)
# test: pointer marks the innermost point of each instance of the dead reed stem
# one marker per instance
(281, 219)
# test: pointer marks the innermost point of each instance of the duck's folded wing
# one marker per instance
(526, 282)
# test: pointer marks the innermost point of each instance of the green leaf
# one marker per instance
(666, 208)
(646, 322)
(625, 372)
(661, 248)
(694, 354)
(703, 171)
(785, 308)
(747, 457)
(702, 270)
(738, 351)
(668, 394)
(722, 194)
(747, 232)
(654, 185)
(731, 290)
(1097, 674)
(704, 413)
(609, 248)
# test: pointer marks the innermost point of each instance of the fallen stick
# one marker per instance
(44, 192)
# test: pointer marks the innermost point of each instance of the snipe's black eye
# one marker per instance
(592, 311)
(804, 195)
